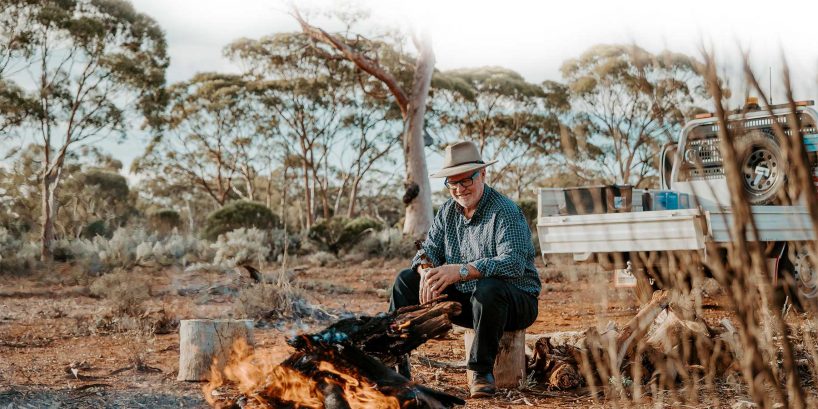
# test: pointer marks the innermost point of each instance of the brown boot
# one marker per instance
(481, 385)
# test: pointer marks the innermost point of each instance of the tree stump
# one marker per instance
(509, 366)
(201, 341)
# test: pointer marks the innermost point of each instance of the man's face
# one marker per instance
(468, 197)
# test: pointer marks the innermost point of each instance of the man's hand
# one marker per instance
(439, 278)
(426, 293)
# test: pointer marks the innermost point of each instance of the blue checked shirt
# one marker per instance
(496, 241)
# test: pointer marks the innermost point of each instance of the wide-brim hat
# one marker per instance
(461, 157)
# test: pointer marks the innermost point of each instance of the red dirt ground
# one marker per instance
(47, 326)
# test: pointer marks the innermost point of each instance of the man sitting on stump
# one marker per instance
(481, 248)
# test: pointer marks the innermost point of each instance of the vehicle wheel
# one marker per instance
(805, 273)
(763, 168)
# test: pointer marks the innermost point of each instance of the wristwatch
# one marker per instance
(464, 272)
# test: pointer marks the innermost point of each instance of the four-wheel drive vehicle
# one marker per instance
(626, 227)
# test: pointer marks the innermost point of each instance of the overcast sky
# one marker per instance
(531, 37)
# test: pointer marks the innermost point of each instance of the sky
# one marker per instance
(530, 37)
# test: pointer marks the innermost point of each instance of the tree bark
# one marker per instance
(418, 211)
(307, 197)
(47, 231)
(353, 197)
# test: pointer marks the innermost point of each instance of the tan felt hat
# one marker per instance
(461, 157)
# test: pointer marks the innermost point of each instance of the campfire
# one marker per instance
(347, 365)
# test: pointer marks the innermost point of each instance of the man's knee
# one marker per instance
(406, 281)
(404, 290)
(406, 276)
(490, 290)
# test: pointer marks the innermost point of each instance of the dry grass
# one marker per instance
(773, 350)
(125, 291)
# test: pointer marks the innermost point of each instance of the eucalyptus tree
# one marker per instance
(207, 135)
(372, 132)
(93, 190)
(15, 50)
(628, 103)
(93, 63)
(307, 95)
(407, 81)
(509, 118)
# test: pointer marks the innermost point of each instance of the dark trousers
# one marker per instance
(493, 307)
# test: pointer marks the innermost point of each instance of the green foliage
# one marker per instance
(208, 110)
(163, 221)
(99, 200)
(510, 119)
(241, 246)
(16, 256)
(388, 243)
(236, 215)
(91, 64)
(628, 102)
(95, 228)
(113, 186)
(359, 225)
(340, 233)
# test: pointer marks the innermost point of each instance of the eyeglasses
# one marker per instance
(465, 182)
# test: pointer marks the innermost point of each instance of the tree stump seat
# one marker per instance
(509, 366)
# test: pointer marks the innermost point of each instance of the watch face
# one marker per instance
(464, 271)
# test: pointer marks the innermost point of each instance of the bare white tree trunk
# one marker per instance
(353, 197)
(419, 210)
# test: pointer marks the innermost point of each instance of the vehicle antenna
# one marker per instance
(771, 85)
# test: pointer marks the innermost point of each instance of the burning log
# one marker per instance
(348, 364)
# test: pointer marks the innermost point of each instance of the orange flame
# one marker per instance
(361, 395)
(255, 376)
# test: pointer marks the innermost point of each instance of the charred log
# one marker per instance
(353, 357)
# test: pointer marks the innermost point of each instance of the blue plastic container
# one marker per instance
(665, 200)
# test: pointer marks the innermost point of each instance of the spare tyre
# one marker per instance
(763, 169)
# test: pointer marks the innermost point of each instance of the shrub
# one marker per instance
(164, 221)
(174, 248)
(241, 246)
(124, 290)
(268, 301)
(328, 232)
(95, 228)
(361, 224)
(113, 185)
(277, 243)
(339, 233)
(387, 243)
(322, 259)
(16, 256)
(236, 215)
(120, 250)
